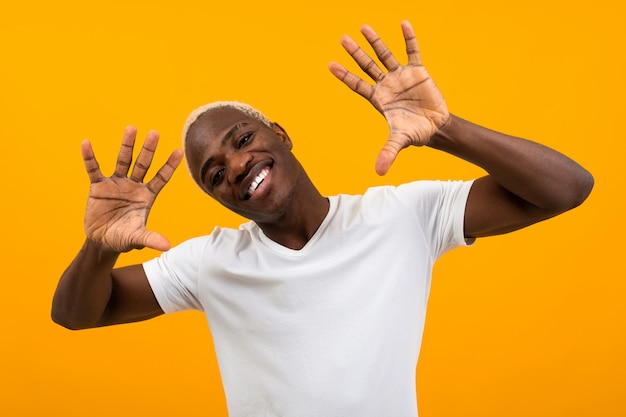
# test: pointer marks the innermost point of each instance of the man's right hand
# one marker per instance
(118, 206)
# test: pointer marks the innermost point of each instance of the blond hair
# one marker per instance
(246, 109)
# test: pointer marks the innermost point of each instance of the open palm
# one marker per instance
(406, 95)
(118, 206)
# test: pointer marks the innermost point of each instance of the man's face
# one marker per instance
(245, 165)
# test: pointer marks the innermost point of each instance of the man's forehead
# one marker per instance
(218, 121)
(211, 130)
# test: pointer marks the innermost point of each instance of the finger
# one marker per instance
(165, 173)
(91, 165)
(142, 164)
(156, 241)
(412, 49)
(367, 64)
(382, 52)
(388, 153)
(352, 81)
(384, 161)
(125, 157)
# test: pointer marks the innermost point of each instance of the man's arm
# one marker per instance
(527, 182)
(91, 292)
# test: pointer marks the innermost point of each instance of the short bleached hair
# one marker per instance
(246, 109)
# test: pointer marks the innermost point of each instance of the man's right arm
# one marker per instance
(91, 292)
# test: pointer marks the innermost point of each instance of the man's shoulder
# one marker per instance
(220, 235)
(420, 195)
(389, 190)
(225, 234)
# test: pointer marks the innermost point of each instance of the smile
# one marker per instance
(256, 182)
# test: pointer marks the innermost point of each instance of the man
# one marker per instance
(317, 305)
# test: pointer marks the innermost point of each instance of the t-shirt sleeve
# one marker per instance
(439, 207)
(173, 276)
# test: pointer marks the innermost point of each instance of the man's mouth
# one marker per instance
(256, 182)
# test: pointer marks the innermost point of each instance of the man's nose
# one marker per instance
(238, 166)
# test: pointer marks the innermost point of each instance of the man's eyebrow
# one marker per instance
(205, 168)
(232, 131)
(226, 138)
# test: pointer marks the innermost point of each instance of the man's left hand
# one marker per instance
(406, 95)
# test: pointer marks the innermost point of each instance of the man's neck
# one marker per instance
(297, 226)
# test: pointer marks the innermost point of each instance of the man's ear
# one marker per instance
(282, 134)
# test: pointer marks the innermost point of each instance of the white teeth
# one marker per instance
(258, 180)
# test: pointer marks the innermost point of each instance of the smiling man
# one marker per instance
(244, 161)
(317, 304)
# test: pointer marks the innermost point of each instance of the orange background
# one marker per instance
(528, 324)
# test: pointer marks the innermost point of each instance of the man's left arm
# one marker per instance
(526, 182)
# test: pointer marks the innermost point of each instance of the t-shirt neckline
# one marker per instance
(277, 247)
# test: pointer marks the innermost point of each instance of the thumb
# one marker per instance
(389, 152)
(384, 161)
(156, 241)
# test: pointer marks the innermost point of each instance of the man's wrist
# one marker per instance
(102, 252)
(444, 133)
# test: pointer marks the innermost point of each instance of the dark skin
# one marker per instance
(525, 183)
(286, 205)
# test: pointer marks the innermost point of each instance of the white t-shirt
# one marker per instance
(333, 329)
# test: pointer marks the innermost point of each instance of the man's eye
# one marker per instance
(217, 176)
(244, 139)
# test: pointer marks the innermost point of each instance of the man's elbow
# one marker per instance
(583, 188)
(575, 193)
(64, 322)
(69, 321)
